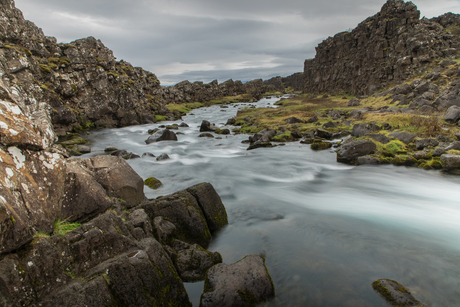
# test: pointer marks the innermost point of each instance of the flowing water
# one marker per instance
(327, 230)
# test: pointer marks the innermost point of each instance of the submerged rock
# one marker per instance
(244, 283)
(394, 293)
(207, 127)
(162, 135)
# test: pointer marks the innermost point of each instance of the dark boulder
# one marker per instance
(403, 89)
(162, 135)
(138, 223)
(260, 144)
(118, 178)
(263, 136)
(162, 157)
(452, 115)
(330, 125)
(164, 230)
(193, 262)
(360, 130)
(438, 151)
(206, 135)
(323, 134)
(244, 283)
(405, 137)
(422, 143)
(454, 145)
(207, 127)
(368, 160)
(349, 152)
(450, 162)
(181, 209)
(320, 145)
(84, 198)
(210, 204)
(311, 120)
(380, 138)
(354, 102)
(294, 120)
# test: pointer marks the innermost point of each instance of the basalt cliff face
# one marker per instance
(391, 46)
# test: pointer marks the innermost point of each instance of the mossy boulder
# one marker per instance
(394, 293)
(78, 140)
(450, 162)
(153, 183)
(320, 145)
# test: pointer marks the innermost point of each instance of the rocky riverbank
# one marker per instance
(80, 232)
(413, 120)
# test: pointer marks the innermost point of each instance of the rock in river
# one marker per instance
(244, 283)
(348, 153)
(162, 135)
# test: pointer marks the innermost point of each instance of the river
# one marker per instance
(327, 230)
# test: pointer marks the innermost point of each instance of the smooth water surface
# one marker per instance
(327, 230)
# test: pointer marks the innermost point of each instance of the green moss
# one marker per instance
(52, 66)
(70, 273)
(74, 141)
(64, 61)
(45, 69)
(153, 183)
(62, 227)
(394, 146)
(283, 137)
(454, 29)
(12, 219)
(160, 118)
(113, 74)
(53, 60)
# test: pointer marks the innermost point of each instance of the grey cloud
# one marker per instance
(158, 34)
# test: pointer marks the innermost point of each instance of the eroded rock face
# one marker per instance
(84, 197)
(244, 283)
(392, 45)
(32, 170)
(117, 269)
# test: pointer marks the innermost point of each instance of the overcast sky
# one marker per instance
(203, 40)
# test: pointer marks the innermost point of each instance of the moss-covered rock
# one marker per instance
(153, 183)
(394, 293)
(320, 145)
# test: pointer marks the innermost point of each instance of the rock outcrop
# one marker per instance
(391, 46)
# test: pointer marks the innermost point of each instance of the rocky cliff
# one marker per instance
(389, 47)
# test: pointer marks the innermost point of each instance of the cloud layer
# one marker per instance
(203, 40)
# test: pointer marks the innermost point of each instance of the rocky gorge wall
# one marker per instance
(389, 47)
